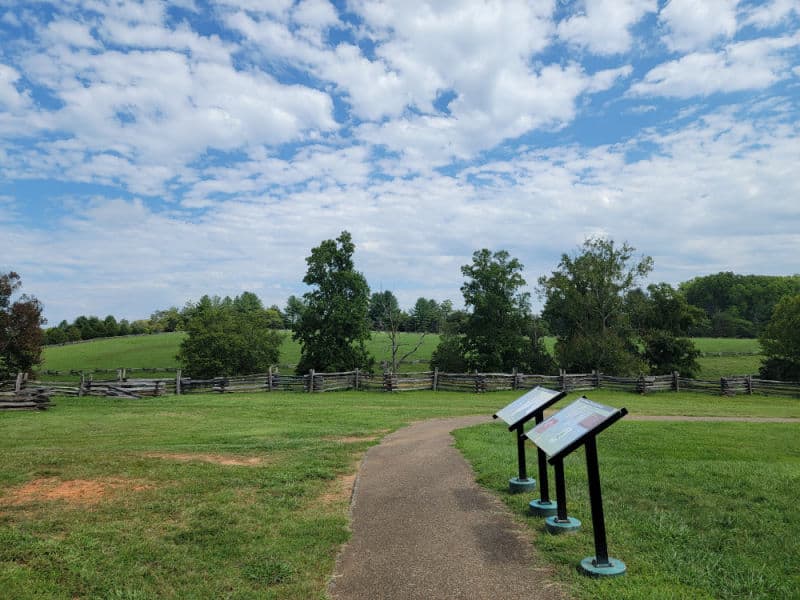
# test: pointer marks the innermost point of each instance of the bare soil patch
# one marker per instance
(341, 490)
(85, 492)
(217, 459)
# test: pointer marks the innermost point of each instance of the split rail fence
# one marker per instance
(273, 380)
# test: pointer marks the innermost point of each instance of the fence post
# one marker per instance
(356, 378)
(514, 383)
(562, 379)
(596, 378)
(748, 380)
(436, 379)
(18, 383)
(80, 385)
(311, 381)
(388, 382)
(178, 382)
(676, 381)
(269, 379)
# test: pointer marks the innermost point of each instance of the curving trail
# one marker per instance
(423, 529)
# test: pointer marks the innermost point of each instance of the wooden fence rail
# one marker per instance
(312, 382)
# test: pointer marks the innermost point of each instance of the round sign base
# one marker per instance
(543, 509)
(554, 526)
(517, 485)
(614, 568)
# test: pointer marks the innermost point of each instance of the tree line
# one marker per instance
(595, 304)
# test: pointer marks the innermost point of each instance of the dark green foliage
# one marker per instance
(536, 358)
(663, 318)
(91, 327)
(171, 319)
(666, 353)
(780, 341)
(586, 308)
(333, 326)
(449, 354)
(428, 315)
(229, 337)
(294, 308)
(21, 335)
(494, 332)
(737, 305)
(384, 311)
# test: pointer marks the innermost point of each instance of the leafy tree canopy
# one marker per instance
(384, 310)
(21, 335)
(780, 341)
(585, 306)
(737, 305)
(494, 331)
(229, 337)
(333, 326)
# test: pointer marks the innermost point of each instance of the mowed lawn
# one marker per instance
(160, 350)
(695, 510)
(246, 495)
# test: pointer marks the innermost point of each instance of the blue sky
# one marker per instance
(152, 152)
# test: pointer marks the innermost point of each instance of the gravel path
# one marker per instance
(423, 529)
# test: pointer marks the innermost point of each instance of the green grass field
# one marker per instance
(160, 351)
(246, 496)
(750, 346)
(695, 510)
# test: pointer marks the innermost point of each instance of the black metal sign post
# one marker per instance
(542, 506)
(578, 425)
(520, 411)
(561, 522)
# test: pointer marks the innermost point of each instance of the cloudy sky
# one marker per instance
(151, 152)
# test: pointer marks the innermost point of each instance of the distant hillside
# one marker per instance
(159, 351)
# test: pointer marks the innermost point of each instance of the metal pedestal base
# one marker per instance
(543, 509)
(554, 526)
(517, 485)
(613, 569)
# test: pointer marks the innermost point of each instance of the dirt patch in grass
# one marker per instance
(84, 492)
(217, 459)
(340, 490)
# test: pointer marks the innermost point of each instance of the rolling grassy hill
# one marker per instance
(159, 351)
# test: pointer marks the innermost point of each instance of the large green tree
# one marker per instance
(780, 341)
(586, 307)
(663, 318)
(333, 327)
(384, 311)
(494, 334)
(229, 337)
(21, 335)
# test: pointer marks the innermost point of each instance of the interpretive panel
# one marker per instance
(570, 424)
(523, 408)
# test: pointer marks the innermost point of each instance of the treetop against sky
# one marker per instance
(153, 151)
